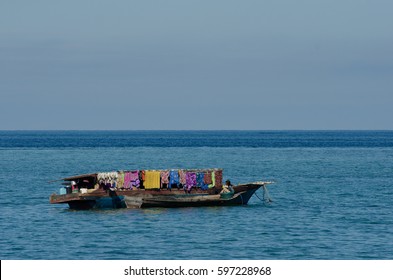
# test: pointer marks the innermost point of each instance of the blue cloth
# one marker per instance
(173, 178)
(201, 181)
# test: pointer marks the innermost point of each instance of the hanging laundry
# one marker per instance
(213, 180)
(183, 179)
(190, 180)
(141, 178)
(120, 180)
(134, 179)
(107, 178)
(173, 178)
(108, 186)
(127, 180)
(208, 177)
(200, 180)
(164, 178)
(218, 178)
(152, 180)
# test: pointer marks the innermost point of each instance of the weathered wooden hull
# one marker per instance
(155, 198)
(188, 200)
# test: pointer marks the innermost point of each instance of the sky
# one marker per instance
(196, 65)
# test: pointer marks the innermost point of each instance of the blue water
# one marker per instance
(332, 198)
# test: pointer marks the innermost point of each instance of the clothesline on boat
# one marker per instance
(168, 178)
(90, 175)
(151, 179)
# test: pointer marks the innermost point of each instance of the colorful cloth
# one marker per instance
(200, 181)
(191, 180)
(120, 179)
(218, 178)
(213, 180)
(183, 179)
(127, 180)
(164, 178)
(208, 177)
(107, 177)
(141, 178)
(173, 178)
(134, 179)
(152, 180)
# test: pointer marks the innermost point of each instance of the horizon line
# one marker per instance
(189, 130)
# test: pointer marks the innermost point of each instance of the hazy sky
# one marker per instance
(266, 64)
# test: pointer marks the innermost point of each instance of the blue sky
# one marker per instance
(196, 64)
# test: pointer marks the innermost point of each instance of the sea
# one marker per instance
(332, 197)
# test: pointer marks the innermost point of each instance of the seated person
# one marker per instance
(227, 189)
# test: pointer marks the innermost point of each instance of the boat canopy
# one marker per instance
(73, 178)
(149, 179)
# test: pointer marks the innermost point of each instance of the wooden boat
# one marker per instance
(89, 198)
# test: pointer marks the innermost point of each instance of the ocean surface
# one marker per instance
(333, 196)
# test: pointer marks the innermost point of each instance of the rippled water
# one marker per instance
(332, 200)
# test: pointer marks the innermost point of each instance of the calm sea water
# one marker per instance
(332, 198)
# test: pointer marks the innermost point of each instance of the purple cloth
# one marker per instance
(191, 180)
(131, 179)
(134, 179)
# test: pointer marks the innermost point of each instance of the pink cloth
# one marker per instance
(164, 177)
(182, 176)
(127, 180)
(131, 179)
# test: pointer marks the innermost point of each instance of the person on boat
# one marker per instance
(74, 187)
(227, 189)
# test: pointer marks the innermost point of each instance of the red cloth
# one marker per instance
(207, 179)
(218, 178)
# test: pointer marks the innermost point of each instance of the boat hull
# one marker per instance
(189, 200)
(155, 198)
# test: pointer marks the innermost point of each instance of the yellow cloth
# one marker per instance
(120, 180)
(152, 180)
